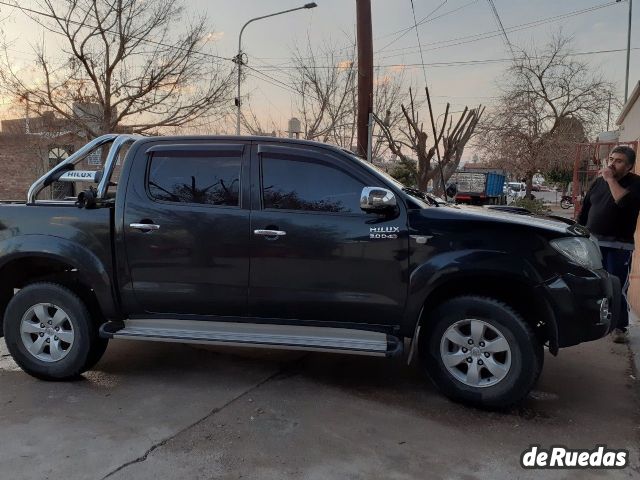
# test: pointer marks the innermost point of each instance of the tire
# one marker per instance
(565, 204)
(50, 333)
(495, 378)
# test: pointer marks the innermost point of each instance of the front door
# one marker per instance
(315, 255)
(193, 258)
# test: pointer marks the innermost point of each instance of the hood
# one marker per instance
(538, 221)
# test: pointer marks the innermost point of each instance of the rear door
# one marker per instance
(315, 255)
(186, 230)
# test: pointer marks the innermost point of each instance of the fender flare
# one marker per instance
(91, 270)
(469, 265)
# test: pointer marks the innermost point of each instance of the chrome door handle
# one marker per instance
(144, 226)
(269, 233)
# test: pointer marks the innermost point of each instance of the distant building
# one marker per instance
(31, 146)
(294, 128)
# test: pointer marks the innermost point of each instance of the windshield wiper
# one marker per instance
(431, 200)
(415, 192)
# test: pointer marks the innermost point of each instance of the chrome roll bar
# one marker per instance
(119, 140)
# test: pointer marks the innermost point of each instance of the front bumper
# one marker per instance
(585, 307)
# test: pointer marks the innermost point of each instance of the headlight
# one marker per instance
(580, 250)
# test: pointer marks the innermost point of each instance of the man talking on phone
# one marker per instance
(610, 211)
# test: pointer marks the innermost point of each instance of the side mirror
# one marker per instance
(377, 200)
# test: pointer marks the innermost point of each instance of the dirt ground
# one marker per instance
(169, 411)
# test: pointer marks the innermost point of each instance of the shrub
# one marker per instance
(534, 205)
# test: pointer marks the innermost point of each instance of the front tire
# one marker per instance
(480, 352)
(50, 333)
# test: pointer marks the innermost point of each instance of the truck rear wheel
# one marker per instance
(50, 333)
(479, 351)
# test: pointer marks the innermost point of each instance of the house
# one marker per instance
(31, 146)
(629, 125)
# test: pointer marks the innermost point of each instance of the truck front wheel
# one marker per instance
(50, 333)
(479, 351)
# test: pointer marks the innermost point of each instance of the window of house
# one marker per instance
(60, 190)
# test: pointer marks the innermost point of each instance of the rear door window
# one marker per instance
(197, 177)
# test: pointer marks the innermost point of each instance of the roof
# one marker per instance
(253, 138)
(635, 94)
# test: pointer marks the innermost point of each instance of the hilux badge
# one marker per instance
(383, 232)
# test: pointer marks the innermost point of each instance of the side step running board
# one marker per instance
(289, 337)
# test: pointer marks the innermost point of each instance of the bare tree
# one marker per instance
(549, 101)
(122, 67)
(412, 142)
(327, 87)
(254, 125)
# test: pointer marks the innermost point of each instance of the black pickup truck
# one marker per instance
(276, 243)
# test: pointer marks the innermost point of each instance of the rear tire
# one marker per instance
(50, 333)
(480, 352)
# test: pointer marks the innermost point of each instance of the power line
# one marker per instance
(500, 26)
(115, 32)
(455, 63)
(471, 38)
(279, 83)
(466, 39)
(426, 20)
(270, 79)
(495, 33)
(403, 31)
(415, 25)
(424, 70)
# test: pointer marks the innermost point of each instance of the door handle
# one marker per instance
(269, 233)
(145, 226)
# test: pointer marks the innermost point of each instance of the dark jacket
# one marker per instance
(608, 219)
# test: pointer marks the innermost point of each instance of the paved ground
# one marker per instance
(168, 411)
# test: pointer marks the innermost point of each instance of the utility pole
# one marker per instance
(626, 78)
(609, 111)
(364, 38)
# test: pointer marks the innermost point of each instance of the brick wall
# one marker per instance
(22, 161)
(24, 158)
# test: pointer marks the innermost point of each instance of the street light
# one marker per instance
(238, 58)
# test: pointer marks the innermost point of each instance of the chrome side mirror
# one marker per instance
(376, 199)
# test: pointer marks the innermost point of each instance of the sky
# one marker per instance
(456, 32)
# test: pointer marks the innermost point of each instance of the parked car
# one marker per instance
(516, 189)
(281, 243)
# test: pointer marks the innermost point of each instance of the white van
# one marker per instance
(516, 189)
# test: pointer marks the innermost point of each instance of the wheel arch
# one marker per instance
(508, 289)
(51, 259)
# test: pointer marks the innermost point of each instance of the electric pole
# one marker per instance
(364, 38)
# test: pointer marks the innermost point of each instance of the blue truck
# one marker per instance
(479, 188)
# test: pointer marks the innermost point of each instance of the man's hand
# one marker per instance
(617, 192)
(607, 173)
